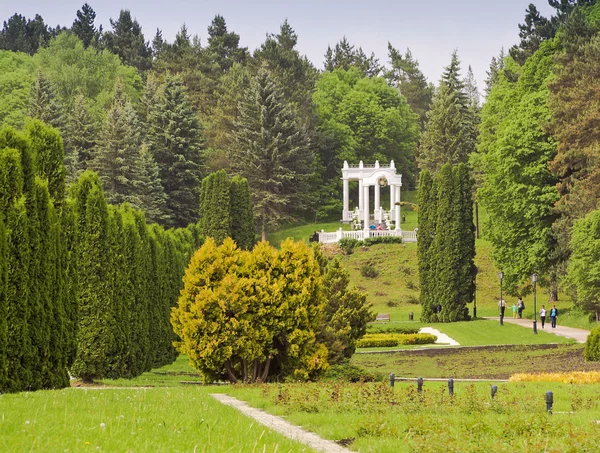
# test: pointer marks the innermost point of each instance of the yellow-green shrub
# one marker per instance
(575, 377)
(381, 340)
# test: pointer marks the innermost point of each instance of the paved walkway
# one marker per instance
(281, 426)
(441, 337)
(580, 335)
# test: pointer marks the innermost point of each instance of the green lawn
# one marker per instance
(131, 420)
(375, 418)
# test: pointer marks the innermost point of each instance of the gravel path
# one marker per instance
(281, 426)
(441, 337)
(580, 335)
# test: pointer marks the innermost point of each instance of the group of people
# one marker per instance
(519, 307)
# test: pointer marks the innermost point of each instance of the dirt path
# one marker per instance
(580, 335)
(281, 426)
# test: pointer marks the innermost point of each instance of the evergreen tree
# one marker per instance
(69, 272)
(408, 78)
(127, 41)
(3, 300)
(271, 151)
(117, 160)
(43, 102)
(223, 46)
(80, 136)
(346, 56)
(427, 202)
(242, 215)
(496, 66)
(215, 219)
(175, 143)
(24, 35)
(96, 315)
(153, 198)
(83, 26)
(47, 147)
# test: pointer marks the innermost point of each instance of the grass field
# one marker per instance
(131, 420)
(378, 419)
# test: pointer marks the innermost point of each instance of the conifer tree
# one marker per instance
(427, 202)
(43, 102)
(3, 299)
(153, 198)
(127, 41)
(272, 151)
(215, 201)
(80, 136)
(175, 143)
(69, 272)
(96, 314)
(118, 161)
(242, 215)
(83, 26)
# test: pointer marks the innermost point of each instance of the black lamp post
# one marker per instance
(475, 293)
(500, 304)
(533, 280)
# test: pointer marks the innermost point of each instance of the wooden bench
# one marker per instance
(383, 317)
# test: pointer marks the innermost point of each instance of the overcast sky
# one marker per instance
(431, 29)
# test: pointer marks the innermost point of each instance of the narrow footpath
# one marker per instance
(282, 426)
(580, 335)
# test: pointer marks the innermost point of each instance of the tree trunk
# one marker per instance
(264, 227)
(265, 372)
(476, 220)
(230, 374)
(255, 370)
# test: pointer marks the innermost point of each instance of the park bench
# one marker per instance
(383, 317)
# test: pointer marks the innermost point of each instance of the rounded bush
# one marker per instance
(591, 351)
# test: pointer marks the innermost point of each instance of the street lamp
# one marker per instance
(533, 280)
(500, 304)
(475, 292)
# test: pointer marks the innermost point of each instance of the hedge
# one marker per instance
(394, 339)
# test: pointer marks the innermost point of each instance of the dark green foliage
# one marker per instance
(427, 202)
(11, 138)
(345, 56)
(83, 26)
(47, 148)
(272, 152)
(80, 136)
(592, 346)
(223, 46)
(174, 141)
(69, 277)
(127, 41)
(11, 178)
(348, 245)
(43, 102)
(374, 328)
(3, 299)
(242, 216)
(352, 373)
(369, 271)
(382, 240)
(24, 35)
(215, 206)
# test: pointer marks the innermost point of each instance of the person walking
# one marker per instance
(514, 310)
(553, 315)
(543, 315)
(520, 307)
(502, 307)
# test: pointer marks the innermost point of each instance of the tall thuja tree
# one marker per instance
(127, 41)
(427, 202)
(241, 213)
(405, 75)
(3, 299)
(44, 104)
(117, 159)
(47, 147)
(69, 276)
(449, 130)
(96, 314)
(518, 190)
(83, 26)
(215, 210)
(174, 139)
(272, 152)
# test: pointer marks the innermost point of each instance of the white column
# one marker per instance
(366, 214)
(397, 212)
(377, 198)
(392, 201)
(361, 199)
(345, 214)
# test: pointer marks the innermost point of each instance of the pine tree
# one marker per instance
(43, 102)
(346, 56)
(496, 66)
(223, 46)
(272, 151)
(242, 215)
(96, 313)
(83, 26)
(127, 41)
(175, 143)
(117, 160)
(215, 201)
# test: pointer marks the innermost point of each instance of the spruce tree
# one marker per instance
(96, 314)
(215, 201)
(242, 215)
(117, 160)
(127, 41)
(175, 143)
(80, 136)
(43, 102)
(272, 151)
(153, 198)
(83, 26)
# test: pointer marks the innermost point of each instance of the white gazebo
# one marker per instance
(376, 176)
(376, 222)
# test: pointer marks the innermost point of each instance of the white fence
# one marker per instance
(332, 238)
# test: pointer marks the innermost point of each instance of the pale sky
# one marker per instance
(431, 29)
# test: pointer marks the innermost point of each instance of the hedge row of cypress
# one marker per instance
(85, 288)
(226, 209)
(446, 246)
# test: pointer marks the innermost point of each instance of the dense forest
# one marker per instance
(118, 149)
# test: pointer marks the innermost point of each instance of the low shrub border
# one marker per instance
(381, 340)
